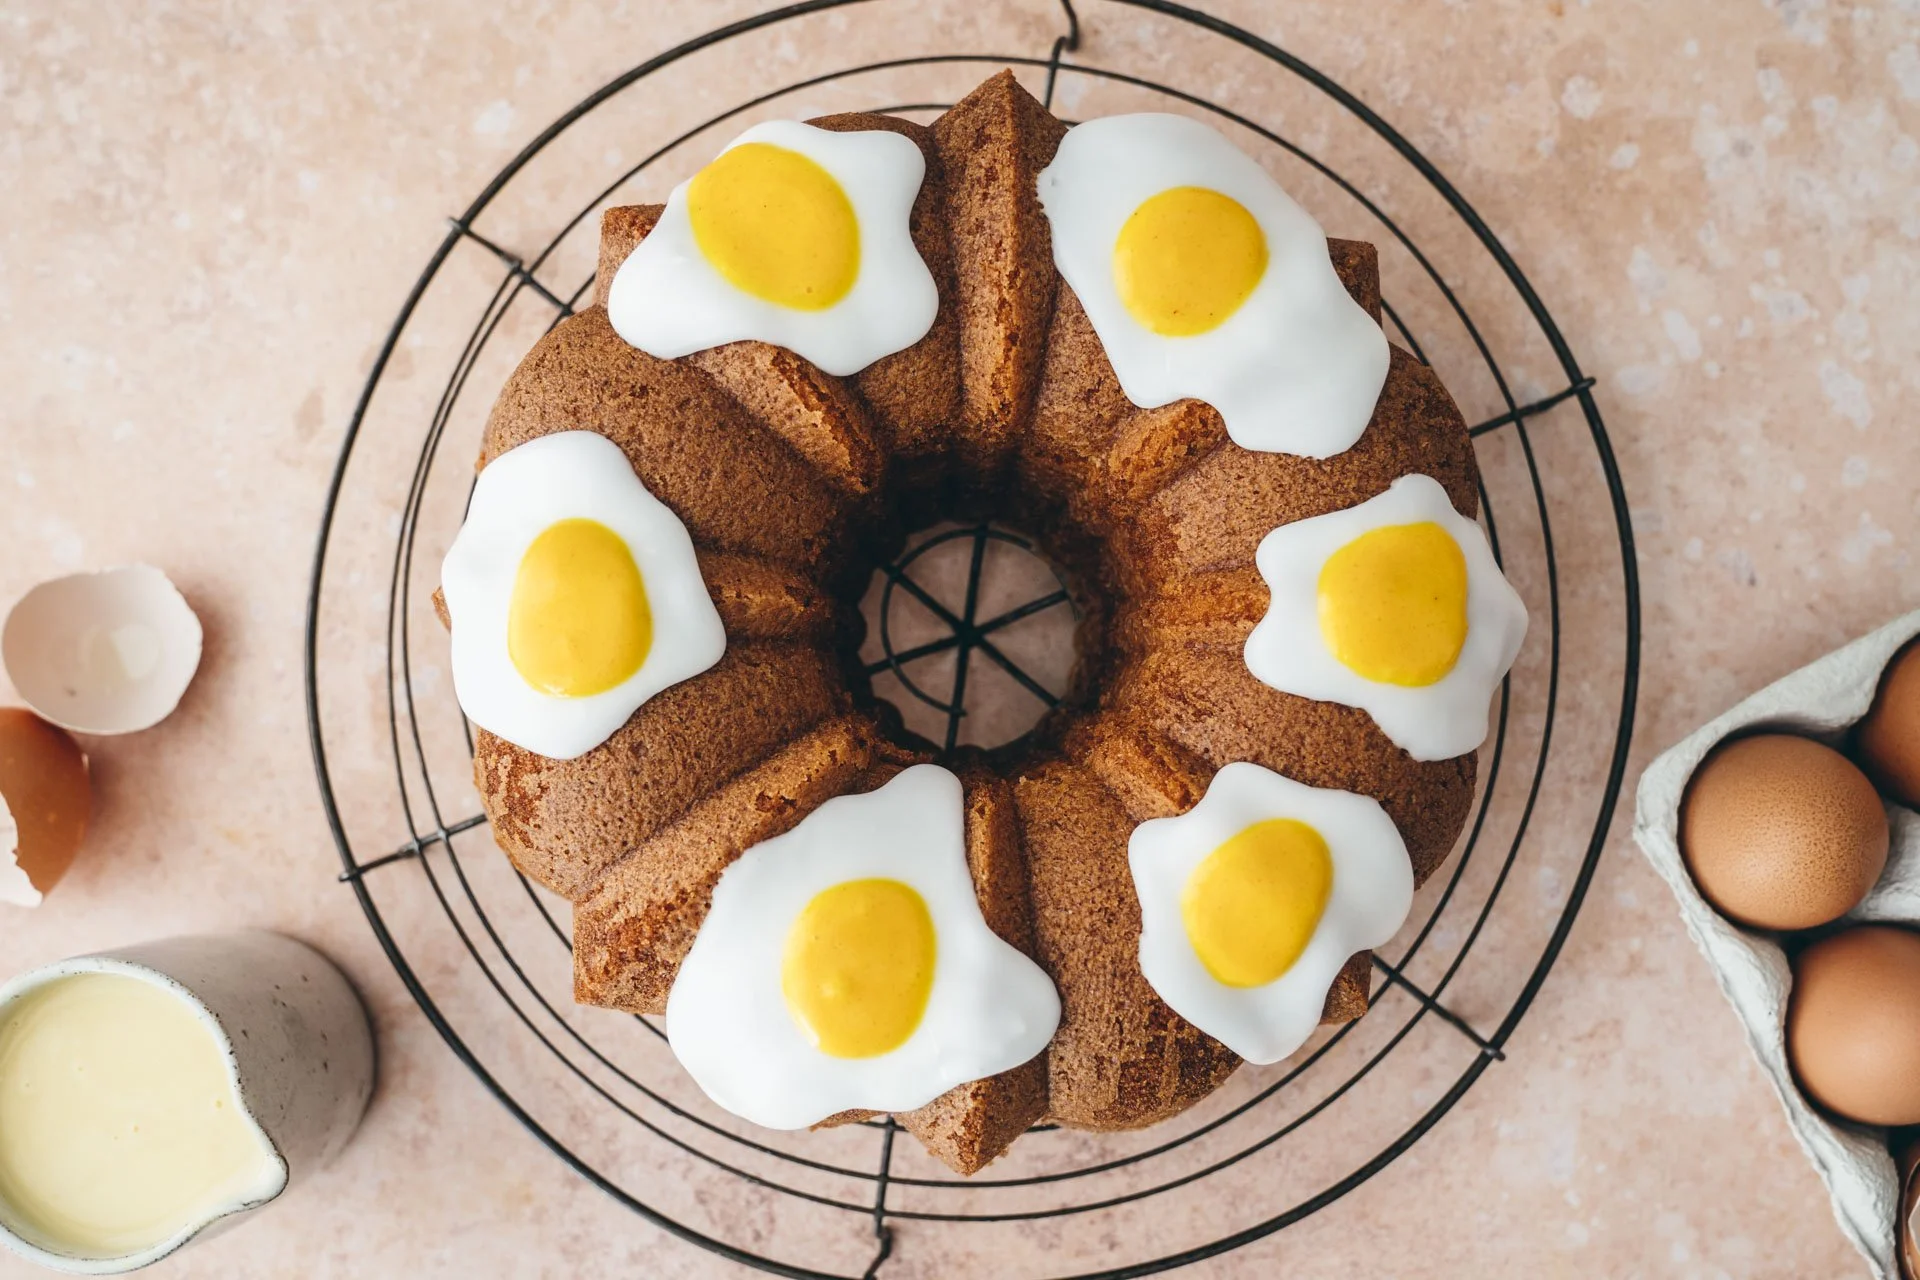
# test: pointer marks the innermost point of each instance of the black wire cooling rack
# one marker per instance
(486, 954)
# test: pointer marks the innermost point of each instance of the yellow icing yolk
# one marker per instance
(1253, 904)
(119, 1125)
(1186, 259)
(1393, 604)
(578, 622)
(776, 225)
(858, 967)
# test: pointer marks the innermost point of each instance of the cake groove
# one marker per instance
(1121, 1058)
(637, 922)
(739, 495)
(816, 414)
(992, 146)
(564, 822)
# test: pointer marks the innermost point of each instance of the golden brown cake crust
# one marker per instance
(741, 490)
(970, 1125)
(1121, 1059)
(564, 822)
(636, 924)
(993, 145)
(622, 228)
(1008, 404)
(914, 395)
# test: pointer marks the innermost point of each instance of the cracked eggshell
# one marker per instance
(107, 652)
(44, 803)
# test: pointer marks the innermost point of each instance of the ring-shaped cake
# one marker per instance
(1129, 344)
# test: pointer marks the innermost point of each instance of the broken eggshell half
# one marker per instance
(44, 804)
(106, 652)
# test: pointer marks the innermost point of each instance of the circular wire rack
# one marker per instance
(486, 954)
(964, 633)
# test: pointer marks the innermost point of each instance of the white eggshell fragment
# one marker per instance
(107, 652)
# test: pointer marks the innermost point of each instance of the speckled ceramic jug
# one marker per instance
(295, 1038)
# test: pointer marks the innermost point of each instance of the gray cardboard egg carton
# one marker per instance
(1822, 701)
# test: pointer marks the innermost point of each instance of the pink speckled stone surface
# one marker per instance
(215, 210)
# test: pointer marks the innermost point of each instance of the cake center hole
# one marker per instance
(970, 634)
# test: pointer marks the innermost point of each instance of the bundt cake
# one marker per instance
(1123, 339)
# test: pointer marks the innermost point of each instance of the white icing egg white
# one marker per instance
(731, 1025)
(670, 298)
(520, 496)
(1295, 368)
(1370, 893)
(1290, 649)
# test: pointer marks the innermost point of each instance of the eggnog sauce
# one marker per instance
(119, 1122)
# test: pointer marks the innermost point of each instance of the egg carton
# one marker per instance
(1821, 701)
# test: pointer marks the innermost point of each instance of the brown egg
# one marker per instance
(1853, 1024)
(43, 782)
(1781, 832)
(1888, 740)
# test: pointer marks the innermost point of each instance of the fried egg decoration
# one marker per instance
(574, 596)
(1205, 281)
(1251, 901)
(846, 964)
(793, 235)
(1395, 606)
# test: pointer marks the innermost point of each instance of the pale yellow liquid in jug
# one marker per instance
(119, 1124)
